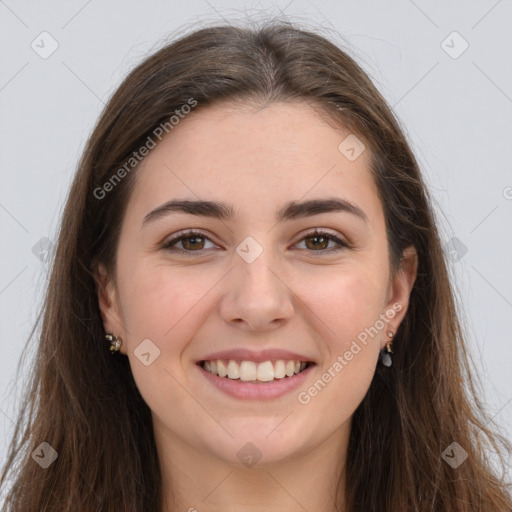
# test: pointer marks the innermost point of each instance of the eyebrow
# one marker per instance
(222, 211)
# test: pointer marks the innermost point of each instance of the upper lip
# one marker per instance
(241, 354)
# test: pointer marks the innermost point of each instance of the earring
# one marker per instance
(115, 342)
(385, 357)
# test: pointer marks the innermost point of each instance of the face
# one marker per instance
(254, 284)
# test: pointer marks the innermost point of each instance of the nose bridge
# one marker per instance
(257, 274)
(254, 258)
(256, 296)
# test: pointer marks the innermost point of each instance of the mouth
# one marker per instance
(262, 380)
(255, 372)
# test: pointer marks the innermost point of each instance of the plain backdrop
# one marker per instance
(443, 66)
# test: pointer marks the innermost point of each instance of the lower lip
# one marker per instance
(258, 390)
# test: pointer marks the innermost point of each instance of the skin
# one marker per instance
(293, 296)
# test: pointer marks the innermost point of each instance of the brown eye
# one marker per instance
(194, 242)
(191, 241)
(318, 241)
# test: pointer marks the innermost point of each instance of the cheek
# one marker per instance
(159, 302)
(345, 301)
(160, 305)
(349, 307)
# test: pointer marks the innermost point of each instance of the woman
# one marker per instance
(249, 307)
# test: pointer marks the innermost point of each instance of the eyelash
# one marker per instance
(190, 234)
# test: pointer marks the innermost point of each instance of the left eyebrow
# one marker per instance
(223, 211)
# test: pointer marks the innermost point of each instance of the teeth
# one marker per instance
(290, 368)
(279, 369)
(248, 370)
(221, 369)
(251, 371)
(265, 371)
(233, 370)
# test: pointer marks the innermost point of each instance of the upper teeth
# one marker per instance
(249, 370)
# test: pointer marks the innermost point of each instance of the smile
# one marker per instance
(251, 380)
(251, 371)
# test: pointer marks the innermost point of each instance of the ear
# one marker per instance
(400, 289)
(108, 302)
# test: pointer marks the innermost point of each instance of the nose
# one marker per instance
(257, 297)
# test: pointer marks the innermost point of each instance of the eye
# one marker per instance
(190, 241)
(320, 240)
(194, 241)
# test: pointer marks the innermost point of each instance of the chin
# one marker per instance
(258, 441)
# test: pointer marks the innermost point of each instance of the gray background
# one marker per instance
(456, 109)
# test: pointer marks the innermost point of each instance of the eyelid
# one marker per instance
(190, 232)
(176, 237)
(342, 242)
(323, 231)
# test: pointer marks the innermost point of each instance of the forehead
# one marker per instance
(256, 158)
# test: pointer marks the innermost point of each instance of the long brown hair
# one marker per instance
(85, 404)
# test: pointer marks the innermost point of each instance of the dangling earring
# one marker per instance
(115, 342)
(385, 357)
